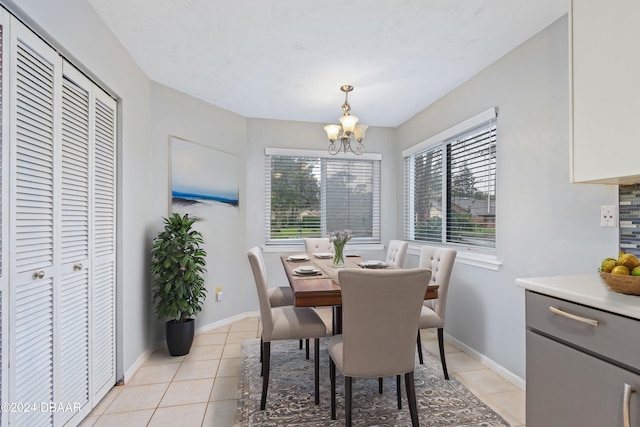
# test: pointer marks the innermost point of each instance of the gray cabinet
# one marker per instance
(583, 365)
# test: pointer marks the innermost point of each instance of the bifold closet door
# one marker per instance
(63, 211)
(71, 374)
(35, 82)
(103, 246)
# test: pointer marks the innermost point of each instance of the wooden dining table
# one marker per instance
(323, 288)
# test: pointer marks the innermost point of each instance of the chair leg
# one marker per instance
(442, 359)
(420, 348)
(347, 400)
(265, 374)
(332, 375)
(261, 357)
(306, 342)
(411, 397)
(334, 321)
(399, 391)
(300, 344)
(380, 385)
(316, 356)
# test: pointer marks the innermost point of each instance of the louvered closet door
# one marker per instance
(72, 330)
(103, 270)
(34, 209)
(63, 246)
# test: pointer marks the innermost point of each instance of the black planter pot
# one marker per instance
(179, 336)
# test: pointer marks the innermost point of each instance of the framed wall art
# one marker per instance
(201, 178)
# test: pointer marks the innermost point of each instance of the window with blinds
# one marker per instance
(450, 186)
(310, 195)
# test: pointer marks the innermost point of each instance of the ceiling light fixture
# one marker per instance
(348, 132)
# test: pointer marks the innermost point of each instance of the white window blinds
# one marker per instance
(309, 195)
(450, 186)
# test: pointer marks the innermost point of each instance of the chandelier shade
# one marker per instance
(333, 131)
(341, 136)
(359, 132)
(348, 124)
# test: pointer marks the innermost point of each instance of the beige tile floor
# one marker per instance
(201, 388)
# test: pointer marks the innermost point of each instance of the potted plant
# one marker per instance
(177, 264)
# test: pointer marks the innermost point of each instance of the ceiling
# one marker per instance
(286, 59)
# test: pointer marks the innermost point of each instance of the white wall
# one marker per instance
(546, 226)
(183, 116)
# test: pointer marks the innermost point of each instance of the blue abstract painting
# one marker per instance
(201, 176)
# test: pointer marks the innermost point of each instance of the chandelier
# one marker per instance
(349, 136)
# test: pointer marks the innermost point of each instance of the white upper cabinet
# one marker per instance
(605, 91)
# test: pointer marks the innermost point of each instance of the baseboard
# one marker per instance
(201, 330)
(489, 363)
(226, 321)
(129, 373)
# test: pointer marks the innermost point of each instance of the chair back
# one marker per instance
(317, 244)
(381, 310)
(396, 253)
(440, 262)
(260, 275)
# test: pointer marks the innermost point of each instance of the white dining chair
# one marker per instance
(281, 296)
(396, 253)
(440, 261)
(283, 323)
(317, 244)
(381, 312)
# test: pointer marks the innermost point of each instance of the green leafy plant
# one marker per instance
(177, 264)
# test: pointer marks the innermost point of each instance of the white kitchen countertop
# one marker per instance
(588, 289)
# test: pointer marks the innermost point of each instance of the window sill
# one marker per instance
(464, 256)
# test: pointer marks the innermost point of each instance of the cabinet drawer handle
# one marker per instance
(38, 274)
(591, 322)
(77, 267)
(626, 405)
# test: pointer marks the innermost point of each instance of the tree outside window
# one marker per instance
(312, 196)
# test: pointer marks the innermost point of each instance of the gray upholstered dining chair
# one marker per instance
(281, 296)
(283, 323)
(440, 261)
(381, 312)
(396, 253)
(317, 244)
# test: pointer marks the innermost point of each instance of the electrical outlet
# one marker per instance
(219, 293)
(608, 216)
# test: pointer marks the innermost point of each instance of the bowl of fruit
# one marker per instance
(623, 274)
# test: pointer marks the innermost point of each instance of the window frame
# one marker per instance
(442, 141)
(375, 239)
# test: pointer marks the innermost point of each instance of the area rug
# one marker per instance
(290, 399)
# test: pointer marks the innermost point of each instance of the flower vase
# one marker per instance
(338, 255)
